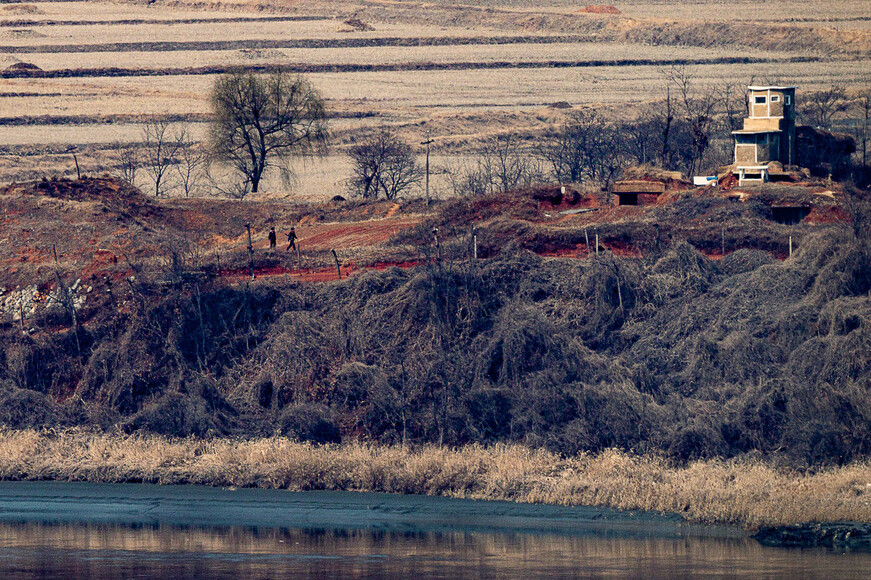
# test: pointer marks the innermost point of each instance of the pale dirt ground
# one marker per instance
(709, 10)
(110, 11)
(391, 91)
(752, 10)
(564, 52)
(209, 31)
(463, 104)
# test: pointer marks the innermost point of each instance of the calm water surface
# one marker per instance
(32, 550)
(40, 538)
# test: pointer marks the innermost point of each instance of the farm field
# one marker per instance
(460, 72)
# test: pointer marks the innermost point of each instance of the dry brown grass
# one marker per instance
(749, 493)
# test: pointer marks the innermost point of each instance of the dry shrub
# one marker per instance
(25, 407)
(676, 353)
(744, 260)
(308, 422)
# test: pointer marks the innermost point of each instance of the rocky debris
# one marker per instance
(30, 300)
(852, 535)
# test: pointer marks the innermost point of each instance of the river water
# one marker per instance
(54, 530)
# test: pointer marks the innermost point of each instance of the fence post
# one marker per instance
(250, 251)
(336, 259)
(435, 233)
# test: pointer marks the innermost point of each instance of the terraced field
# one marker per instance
(87, 74)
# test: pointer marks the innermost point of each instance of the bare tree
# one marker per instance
(697, 109)
(502, 164)
(820, 109)
(160, 144)
(733, 104)
(261, 120)
(510, 166)
(667, 120)
(587, 148)
(127, 161)
(383, 164)
(191, 160)
(469, 177)
(862, 107)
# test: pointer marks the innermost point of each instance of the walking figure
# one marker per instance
(272, 238)
(291, 240)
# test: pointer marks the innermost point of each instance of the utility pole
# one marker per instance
(428, 142)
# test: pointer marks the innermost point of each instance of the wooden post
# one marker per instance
(474, 243)
(790, 246)
(597, 242)
(435, 233)
(109, 291)
(336, 258)
(250, 251)
(428, 142)
(78, 173)
(587, 237)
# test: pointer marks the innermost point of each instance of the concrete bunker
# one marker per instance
(637, 191)
(789, 214)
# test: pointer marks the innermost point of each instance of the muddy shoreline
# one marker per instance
(197, 505)
(192, 505)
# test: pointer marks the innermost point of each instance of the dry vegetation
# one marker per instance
(669, 353)
(548, 373)
(747, 492)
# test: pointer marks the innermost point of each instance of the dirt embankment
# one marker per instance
(301, 68)
(596, 20)
(765, 36)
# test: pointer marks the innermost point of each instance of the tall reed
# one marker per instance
(749, 493)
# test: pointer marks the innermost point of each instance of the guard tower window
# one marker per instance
(787, 99)
(760, 100)
(775, 98)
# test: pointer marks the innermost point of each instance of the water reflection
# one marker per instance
(112, 551)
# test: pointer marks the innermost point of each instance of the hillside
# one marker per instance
(649, 345)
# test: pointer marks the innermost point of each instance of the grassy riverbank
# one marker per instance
(749, 493)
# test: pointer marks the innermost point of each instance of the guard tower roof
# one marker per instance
(769, 87)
